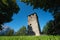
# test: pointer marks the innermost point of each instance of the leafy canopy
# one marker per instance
(51, 5)
(7, 9)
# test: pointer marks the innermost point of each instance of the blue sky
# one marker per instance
(21, 19)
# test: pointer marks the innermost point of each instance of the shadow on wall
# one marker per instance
(30, 31)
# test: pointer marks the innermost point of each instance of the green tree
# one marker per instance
(10, 32)
(45, 29)
(49, 28)
(52, 6)
(22, 31)
(7, 9)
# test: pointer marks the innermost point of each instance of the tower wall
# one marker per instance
(34, 24)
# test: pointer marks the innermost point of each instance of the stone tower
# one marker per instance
(33, 24)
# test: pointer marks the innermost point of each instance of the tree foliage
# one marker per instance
(52, 5)
(10, 32)
(6, 31)
(49, 28)
(7, 9)
(30, 31)
(22, 31)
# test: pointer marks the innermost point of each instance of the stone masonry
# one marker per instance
(33, 24)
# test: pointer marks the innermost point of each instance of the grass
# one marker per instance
(29, 37)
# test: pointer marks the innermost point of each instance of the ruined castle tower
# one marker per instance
(33, 24)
